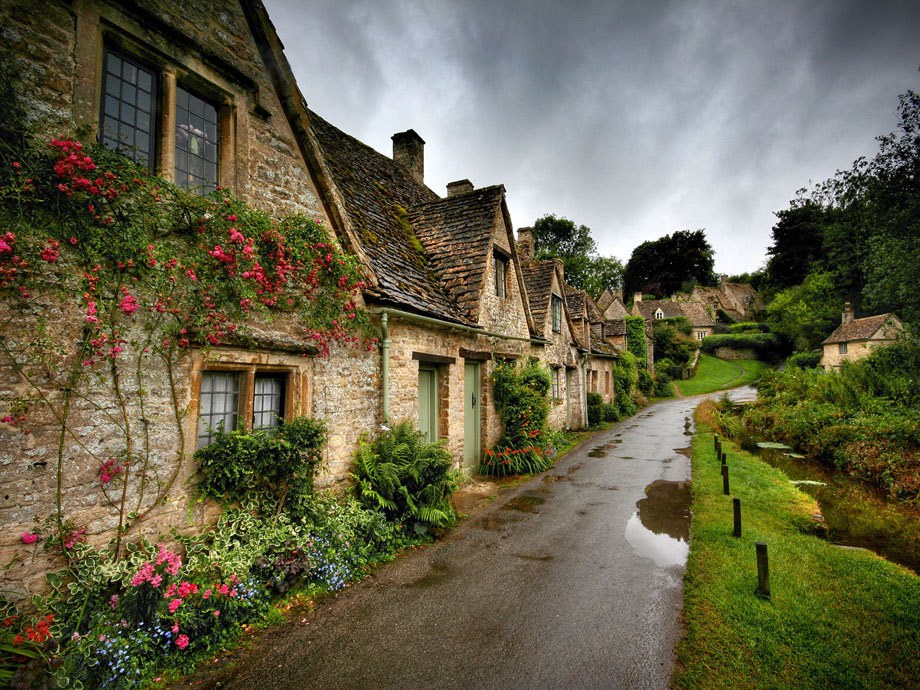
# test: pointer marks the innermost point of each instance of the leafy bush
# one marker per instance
(804, 360)
(663, 387)
(595, 409)
(767, 346)
(646, 382)
(863, 419)
(671, 342)
(406, 477)
(749, 327)
(273, 465)
(611, 414)
(522, 399)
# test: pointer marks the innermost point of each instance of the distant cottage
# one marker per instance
(855, 338)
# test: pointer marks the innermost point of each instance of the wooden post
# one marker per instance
(716, 443)
(736, 505)
(725, 479)
(763, 571)
(724, 459)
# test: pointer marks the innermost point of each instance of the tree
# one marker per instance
(584, 268)
(798, 239)
(806, 314)
(670, 263)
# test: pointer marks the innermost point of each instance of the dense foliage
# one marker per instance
(595, 409)
(406, 477)
(804, 360)
(864, 419)
(670, 264)
(585, 269)
(852, 238)
(635, 338)
(673, 342)
(765, 346)
(522, 398)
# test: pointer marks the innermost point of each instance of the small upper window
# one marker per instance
(843, 348)
(220, 404)
(659, 314)
(501, 275)
(128, 107)
(267, 401)
(700, 335)
(197, 141)
(557, 313)
(554, 381)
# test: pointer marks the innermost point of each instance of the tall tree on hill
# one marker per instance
(798, 239)
(671, 263)
(585, 269)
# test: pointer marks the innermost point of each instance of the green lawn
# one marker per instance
(838, 618)
(714, 374)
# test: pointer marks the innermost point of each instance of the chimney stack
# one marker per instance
(637, 297)
(847, 313)
(618, 293)
(459, 187)
(409, 152)
(561, 266)
(525, 243)
(723, 280)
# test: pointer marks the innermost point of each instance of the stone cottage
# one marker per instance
(855, 338)
(699, 315)
(739, 301)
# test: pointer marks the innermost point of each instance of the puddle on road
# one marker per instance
(550, 478)
(660, 528)
(525, 504)
(437, 573)
(574, 468)
(495, 521)
(687, 452)
(597, 452)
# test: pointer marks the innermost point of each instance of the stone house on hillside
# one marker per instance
(855, 338)
(612, 306)
(589, 330)
(545, 283)
(654, 310)
(739, 301)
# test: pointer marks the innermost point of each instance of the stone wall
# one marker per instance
(731, 353)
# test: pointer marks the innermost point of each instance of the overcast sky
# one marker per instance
(636, 118)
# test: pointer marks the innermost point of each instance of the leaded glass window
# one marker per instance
(556, 302)
(197, 147)
(267, 402)
(220, 404)
(128, 107)
(501, 273)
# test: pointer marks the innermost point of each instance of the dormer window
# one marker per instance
(659, 314)
(501, 274)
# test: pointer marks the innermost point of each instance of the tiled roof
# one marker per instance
(605, 300)
(598, 343)
(538, 279)
(576, 302)
(858, 329)
(378, 194)
(457, 235)
(696, 312)
(613, 328)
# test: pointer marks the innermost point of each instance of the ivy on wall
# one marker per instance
(635, 338)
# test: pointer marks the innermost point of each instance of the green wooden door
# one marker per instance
(428, 401)
(472, 415)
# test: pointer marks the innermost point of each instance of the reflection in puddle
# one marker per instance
(688, 451)
(550, 478)
(574, 468)
(597, 453)
(660, 529)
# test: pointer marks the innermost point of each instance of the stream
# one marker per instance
(856, 514)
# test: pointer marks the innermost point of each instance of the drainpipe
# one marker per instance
(385, 367)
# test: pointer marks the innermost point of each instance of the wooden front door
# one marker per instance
(428, 402)
(472, 415)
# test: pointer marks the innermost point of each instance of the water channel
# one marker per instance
(855, 513)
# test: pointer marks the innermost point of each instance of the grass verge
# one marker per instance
(837, 617)
(715, 374)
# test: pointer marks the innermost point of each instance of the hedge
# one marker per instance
(767, 346)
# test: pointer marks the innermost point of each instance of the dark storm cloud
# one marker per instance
(634, 118)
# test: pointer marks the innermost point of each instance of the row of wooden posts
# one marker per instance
(763, 565)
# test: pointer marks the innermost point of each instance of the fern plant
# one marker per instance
(406, 477)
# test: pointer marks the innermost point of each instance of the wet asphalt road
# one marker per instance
(571, 580)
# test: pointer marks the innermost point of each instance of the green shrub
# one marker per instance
(266, 466)
(406, 477)
(595, 409)
(663, 387)
(804, 360)
(766, 346)
(749, 327)
(522, 398)
(646, 382)
(611, 414)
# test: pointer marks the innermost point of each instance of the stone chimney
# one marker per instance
(847, 313)
(618, 293)
(561, 266)
(459, 187)
(409, 152)
(637, 297)
(525, 243)
(723, 280)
